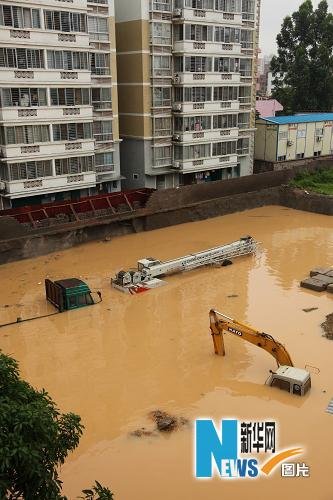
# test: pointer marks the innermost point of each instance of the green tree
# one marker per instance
(303, 68)
(35, 438)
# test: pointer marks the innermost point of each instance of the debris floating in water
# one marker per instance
(327, 326)
(164, 423)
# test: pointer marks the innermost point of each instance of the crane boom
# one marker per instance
(220, 323)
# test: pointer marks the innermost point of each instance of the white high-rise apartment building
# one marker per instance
(187, 81)
(59, 136)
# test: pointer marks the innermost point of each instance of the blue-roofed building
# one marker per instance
(281, 139)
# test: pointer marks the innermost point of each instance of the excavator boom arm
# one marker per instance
(220, 323)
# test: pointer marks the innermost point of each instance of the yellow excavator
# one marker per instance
(286, 377)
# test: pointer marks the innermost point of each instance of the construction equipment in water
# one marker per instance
(150, 269)
(286, 377)
(64, 295)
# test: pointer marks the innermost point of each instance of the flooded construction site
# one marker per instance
(116, 362)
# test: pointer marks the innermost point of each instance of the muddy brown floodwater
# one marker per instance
(116, 362)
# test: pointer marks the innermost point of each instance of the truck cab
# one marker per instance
(293, 380)
(67, 294)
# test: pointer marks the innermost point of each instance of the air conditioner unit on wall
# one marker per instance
(176, 137)
(177, 13)
(177, 107)
(176, 80)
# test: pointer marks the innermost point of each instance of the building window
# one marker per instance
(74, 165)
(98, 28)
(162, 156)
(244, 120)
(162, 127)
(317, 153)
(101, 98)
(30, 170)
(104, 162)
(161, 65)
(65, 21)
(200, 4)
(282, 158)
(247, 39)
(26, 134)
(19, 17)
(245, 67)
(23, 97)
(100, 63)
(103, 131)
(161, 34)
(245, 95)
(243, 146)
(72, 131)
(66, 59)
(225, 121)
(192, 152)
(193, 123)
(225, 93)
(226, 65)
(135, 177)
(70, 97)
(319, 132)
(301, 134)
(227, 35)
(228, 5)
(21, 58)
(198, 33)
(162, 5)
(198, 64)
(161, 96)
(224, 148)
(248, 9)
(283, 135)
(299, 156)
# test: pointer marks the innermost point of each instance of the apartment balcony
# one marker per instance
(203, 78)
(204, 107)
(75, 5)
(208, 16)
(46, 114)
(23, 188)
(38, 38)
(47, 150)
(222, 49)
(205, 135)
(188, 166)
(34, 77)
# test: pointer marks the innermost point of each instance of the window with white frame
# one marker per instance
(244, 120)
(283, 135)
(225, 121)
(29, 170)
(162, 127)
(103, 130)
(227, 35)
(224, 148)
(26, 134)
(100, 63)
(67, 60)
(71, 131)
(301, 134)
(19, 17)
(198, 64)
(21, 58)
(162, 156)
(243, 146)
(225, 93)
(161, 96)
(226, 65)
(104, 162)
(23, 97)
(231, 6)
(192, 152)
(98, 28)
(65, 21)
(101, 97)
(198, 32)
(161, 33)
(161, 65)
(192, 123)
(69, 96)
(74, 165)
(197, 94)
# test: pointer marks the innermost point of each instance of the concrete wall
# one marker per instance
(165, 208)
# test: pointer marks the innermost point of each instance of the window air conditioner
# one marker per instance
(177, 107)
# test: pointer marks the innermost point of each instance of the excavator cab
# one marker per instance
(288, 378)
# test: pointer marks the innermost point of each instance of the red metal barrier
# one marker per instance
(92, 206)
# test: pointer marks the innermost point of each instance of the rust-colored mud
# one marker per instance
(116, 362)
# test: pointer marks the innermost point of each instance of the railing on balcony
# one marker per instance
(104, 168)
(162, 162)
(103, 137)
